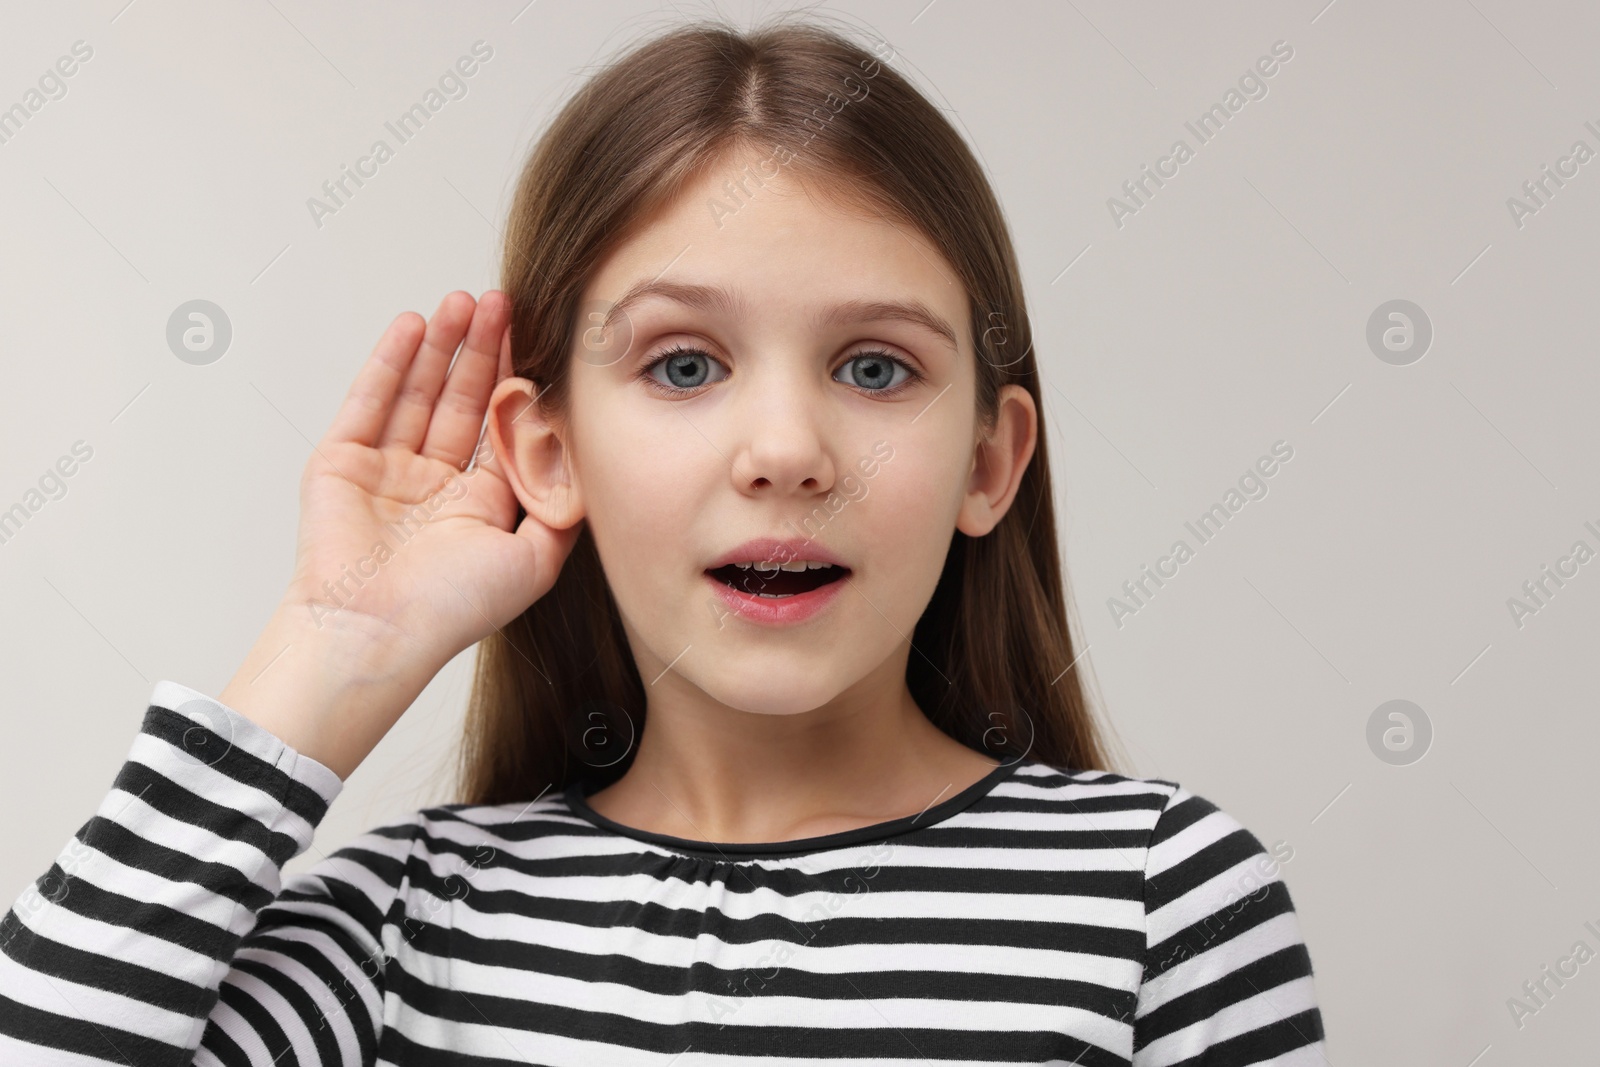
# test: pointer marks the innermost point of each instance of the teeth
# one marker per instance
(797, 565)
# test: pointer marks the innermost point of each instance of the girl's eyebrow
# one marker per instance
(729, 302)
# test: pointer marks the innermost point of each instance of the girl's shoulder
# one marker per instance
(1034, 782)
(1173, 824)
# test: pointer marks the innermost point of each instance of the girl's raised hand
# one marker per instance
(393, 527)
(404, 557)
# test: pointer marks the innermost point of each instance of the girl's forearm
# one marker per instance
(330, 689)
(118, 952)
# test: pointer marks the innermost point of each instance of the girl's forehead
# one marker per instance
(826, 308)
(783, 244)
(737, 200)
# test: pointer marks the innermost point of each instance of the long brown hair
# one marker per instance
(556, 696)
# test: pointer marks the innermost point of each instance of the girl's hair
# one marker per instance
(556, 696)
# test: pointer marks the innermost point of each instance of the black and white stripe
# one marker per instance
(1042, 916)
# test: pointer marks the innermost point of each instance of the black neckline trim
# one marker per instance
(577, 800)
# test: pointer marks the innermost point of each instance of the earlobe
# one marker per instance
(533, 454)
(999, 462)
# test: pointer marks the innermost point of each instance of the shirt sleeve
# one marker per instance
(164, 934)
(1227, 977)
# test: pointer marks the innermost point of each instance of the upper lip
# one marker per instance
(774, 550)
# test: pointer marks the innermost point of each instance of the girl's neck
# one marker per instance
(739, 777)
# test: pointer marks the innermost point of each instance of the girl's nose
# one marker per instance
(782, 442)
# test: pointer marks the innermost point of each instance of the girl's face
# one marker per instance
(822, 392)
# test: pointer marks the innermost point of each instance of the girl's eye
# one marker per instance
(685, 368)
(875, 372)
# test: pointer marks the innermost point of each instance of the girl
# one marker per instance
(777, 749)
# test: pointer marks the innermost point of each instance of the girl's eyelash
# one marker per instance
(913, 376)
(644, 375)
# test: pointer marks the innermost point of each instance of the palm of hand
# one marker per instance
(395, 536)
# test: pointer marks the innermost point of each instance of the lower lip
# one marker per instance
(777, 611)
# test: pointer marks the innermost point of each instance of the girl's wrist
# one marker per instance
(330, 691)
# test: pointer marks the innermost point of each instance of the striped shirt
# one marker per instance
(1042, 915)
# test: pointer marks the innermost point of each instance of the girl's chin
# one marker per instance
(784, 693)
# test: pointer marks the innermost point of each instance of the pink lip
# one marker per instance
(777, 611)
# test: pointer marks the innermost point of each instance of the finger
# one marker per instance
(413, 408)
(458, 414)
(486, 456)
(551, 546)
(365, 410)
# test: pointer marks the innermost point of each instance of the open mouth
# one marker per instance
(777, 583)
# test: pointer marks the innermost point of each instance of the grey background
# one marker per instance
(1228, 313)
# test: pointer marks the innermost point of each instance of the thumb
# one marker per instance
(551, 547)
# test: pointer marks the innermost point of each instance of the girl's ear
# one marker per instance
(998, 462)
(532, 454)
